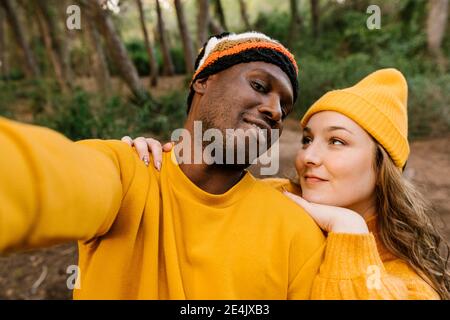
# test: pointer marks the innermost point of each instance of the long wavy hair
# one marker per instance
(407, 225)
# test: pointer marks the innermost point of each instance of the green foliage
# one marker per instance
(139, 56)
(83, 115)
(275, 24)
(428, 106)
(346, 51)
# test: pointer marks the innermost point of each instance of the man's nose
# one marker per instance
(272, 108)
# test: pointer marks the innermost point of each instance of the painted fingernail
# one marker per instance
(145, 159)
(158, 165)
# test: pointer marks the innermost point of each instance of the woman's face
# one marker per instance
(335, 163)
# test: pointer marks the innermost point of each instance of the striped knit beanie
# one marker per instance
(223, 51)
(378, 103)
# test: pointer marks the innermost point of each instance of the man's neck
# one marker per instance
(214, 179)
(211, 178)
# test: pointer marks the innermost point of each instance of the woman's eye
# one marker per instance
(337, 142)
(306, 140)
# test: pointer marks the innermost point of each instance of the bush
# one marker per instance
(428, 106)
(139, 56)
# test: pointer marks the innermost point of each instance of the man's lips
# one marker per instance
(259, 123)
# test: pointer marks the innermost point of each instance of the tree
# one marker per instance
(188, 49)
(98, 58)
(64, 37)
(202, 21)
(218, 8)
(215, 26)
(149, 47)
(315, 14)
(3, 64)
(126, 69)
(168, 68)
(296, 22)
(244, 14)
(31, 69)
(436, 26)
(51, 44)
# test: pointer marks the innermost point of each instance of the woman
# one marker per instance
(382, 243)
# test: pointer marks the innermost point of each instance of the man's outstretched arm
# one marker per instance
(52, 189)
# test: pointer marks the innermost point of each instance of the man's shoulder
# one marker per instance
(275, 201)
(287, 215)
(123, 156)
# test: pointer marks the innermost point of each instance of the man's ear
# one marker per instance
(200, 85)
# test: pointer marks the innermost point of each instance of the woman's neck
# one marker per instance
(366, 209)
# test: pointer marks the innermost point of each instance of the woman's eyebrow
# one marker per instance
(333, 128)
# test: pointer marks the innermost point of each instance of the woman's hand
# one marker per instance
(146, 145)
(332, 219)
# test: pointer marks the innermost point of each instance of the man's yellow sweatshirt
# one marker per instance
(145, 234)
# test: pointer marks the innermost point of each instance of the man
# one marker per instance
(191, 231)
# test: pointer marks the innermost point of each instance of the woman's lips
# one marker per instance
(312, 179)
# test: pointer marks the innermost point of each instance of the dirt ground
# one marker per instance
(41, 274)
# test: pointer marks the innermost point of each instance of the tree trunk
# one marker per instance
(149, 47)
(32, 69)
(189, 57)
(220, 14)
(244, 15)
(45, 26)
(202, 22)
(64, 38)
(116, 49)
(98, 58)
(2, 48)
(436, 26)
(215, 27)
(296, 22)
(315, 14)
(168, 68)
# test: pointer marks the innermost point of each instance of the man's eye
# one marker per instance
(258, 86)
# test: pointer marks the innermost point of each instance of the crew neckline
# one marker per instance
(184, 185)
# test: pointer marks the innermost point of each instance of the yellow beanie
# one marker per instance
(378, 103)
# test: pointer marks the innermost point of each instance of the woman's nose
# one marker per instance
(312, 155)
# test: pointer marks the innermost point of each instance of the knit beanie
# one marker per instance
(378, 103)
(223, 51)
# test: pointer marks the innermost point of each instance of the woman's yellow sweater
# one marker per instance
(149, 235)
(360, 267)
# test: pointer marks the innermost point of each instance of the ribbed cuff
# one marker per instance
(349, 256)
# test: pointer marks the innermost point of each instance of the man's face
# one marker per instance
(247, 96)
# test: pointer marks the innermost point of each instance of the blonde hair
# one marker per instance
(406, 225)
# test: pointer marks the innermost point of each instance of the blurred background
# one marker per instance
(104, 69)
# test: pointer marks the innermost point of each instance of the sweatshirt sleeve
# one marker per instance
(52, 189)
(306, 255)
(352, 270)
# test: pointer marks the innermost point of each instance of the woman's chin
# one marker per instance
(318, 197)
